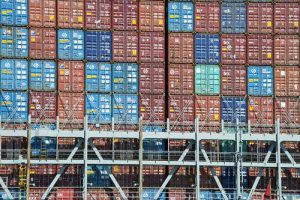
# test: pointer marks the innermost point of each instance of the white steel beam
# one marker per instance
(278, 160)
(288, 155)
(7, 192)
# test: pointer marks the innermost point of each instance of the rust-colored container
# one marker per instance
(181, 48)
(152, 47)
(286, 18)
(125, 15)
(207, 17)
(181, 79)
(181, 110)
(154, 176)
(70, 13)
(70, 76)
(287, 81)
(233, 80)
(152, 78)
(260, 18)
(286, 50)
(98, 14)
(152, 16)
(125, 46)
(42, 107)
(233, 49)
(42, 13)
(152, 109)
(260, 49)
(184, 177)
(42, 43)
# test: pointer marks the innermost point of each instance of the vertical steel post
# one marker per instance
(141, 159)
(237, 158)
(28, 157)
(197, 159)
(85, 158)
(278, 160)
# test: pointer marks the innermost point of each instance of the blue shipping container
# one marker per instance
(14, 42)
(260, 80)
(14, 74)
(70, 44)
(234, 108)
(233, 17)
(181, 16)
(14, 12)
(207, 48)
(228, 175)
(98, 108)
(98, 77)
(45, 145)
(205, 195)
(42, 75)
(149, 194)
(14, 106)
(98, 176)
(125, 78)
(98, 46)
(125, 108)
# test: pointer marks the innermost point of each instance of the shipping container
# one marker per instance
(154, 176)
(125, 78)
(70, 76)
(98, 46)
(42, 13)
(42, 75)
(286, 49)
(43, 145)
(150, 193)
(181, 79)
(233, 17)
(98, 108)
(233, 49)
(14, 42)
(181, 110)
(125, 15)
(152, 109)
(207, 79)
(207, 48)
(125, 46)
(98, 77)
(228, 177)
(98, 14)
(260, 18)
(14, 12)
(233, 109)
(152, 78)
(183, 179)
(233, 80)
(70, 13)
(181, 48)
(152, 16)
(207, 17)
(287, 110)
(125, 108)
(177, 193)
(181, 16)
(286, 18)
(151, 47)
(42, 43)
(98, 176)
(260, 80)
(260, 111)
(287, 81)
(14, 74)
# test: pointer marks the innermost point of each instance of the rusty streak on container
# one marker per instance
(42, 43)
(260, 49)
(286, 18)
(287, 81)
(181, 79)
(233, 49)
(152, 16)
(152, 78)
(125, 46)
(71, 76)
(152, 47)
(42, 13)
(286, 50)
(98, 14)
(260, 111)
(233, 80)
(260, 18)
(70, 13)
(125, 15)
(207, 17)
(181, 48)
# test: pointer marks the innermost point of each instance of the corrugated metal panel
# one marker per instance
(125, 78)
(234, 80)
(98, 46)
(260, 80)
(125, 15)
(181, 48)
(152, 78)
(98, 77)
(125, 108)
(98, 14)
(151, 16)
(181, 79)
(98, 108)
(152, 109)
(207, 17)
(260, 49)
(233, 49)
(42, 13)
(70, 13)
(234, 108)
(260, 111)
(287, 81)
(286, 18)
(287, 109)
(70, 76)
(260, 18)
(125, 46)
(181, 16)
(181, 109)
(43, 75)
(233, 16)
(207, 48)
(286, 49)
(70, 44)
(151, 47)
(14, 12)
(207, 79)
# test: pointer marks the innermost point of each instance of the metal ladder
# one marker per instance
(22, 181)
(43, 151)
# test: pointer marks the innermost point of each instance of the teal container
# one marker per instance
(207, 79)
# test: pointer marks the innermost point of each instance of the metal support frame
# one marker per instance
(85, 158)
(140, 159)
(238, 161)
(7, 192)
(197, 159)
(278, 161)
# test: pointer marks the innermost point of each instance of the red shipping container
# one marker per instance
(207, 17)
(260, 111)
(42, 107)
(181, 110)
(286, 50)
(286, 18)
(233, 80)
(152, 47)
(71, 76)
(181, 79)
(98, 14)
(287, 81)
(125, 46)
(154, 176)
(70, 13)
(42, 13)
(152, 109)
(68, 193)
(260, 18)
(152, 78)
(152, 16)
(125, 15)
(233, 49)
(181, 48)
(42, 43)
(37, 193)
(260, 49)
